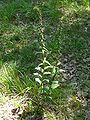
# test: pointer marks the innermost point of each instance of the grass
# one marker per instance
(66, 31)
(10, 81)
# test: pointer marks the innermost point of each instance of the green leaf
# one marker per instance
(37, 74)
(47, 73)
(38, 80)
(47, 67)
(54, 71)
(45, 49)
(39, 68)
(47, 80)
(55, 84)
(41, 64)
(47, 62)
(46, 89)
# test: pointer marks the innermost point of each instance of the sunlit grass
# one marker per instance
(9, 79)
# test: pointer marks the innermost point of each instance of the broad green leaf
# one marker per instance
(47, 62)
(45, 49)
(37, 74)
(39, 68)
(47, 73)
(47, 67)
(55, 84)
(41, 64)
(47, 80)
(38, 52)
(54, 71)
(46, 89)
(38, 80)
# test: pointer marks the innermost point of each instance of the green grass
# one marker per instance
(9, 79)
(66, 30)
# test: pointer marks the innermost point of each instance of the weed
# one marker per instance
(38, 33)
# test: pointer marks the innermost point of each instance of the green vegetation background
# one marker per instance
(66, 25)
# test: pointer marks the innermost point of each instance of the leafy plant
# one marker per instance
(45, 72)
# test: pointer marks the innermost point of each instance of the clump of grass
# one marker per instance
(9, 79)
(12, 81)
